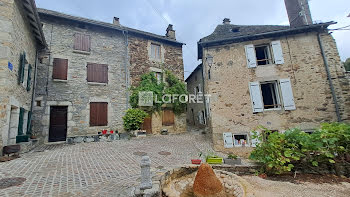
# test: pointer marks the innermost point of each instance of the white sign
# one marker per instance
(228, 141)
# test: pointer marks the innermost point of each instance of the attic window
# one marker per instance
(235, 29)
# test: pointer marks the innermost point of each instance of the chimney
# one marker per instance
(298, 12)
(116, 21)
(170, 32)
(226, 21)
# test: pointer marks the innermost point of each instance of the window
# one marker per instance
(98, 114)
(168, 117)
(159, 76)
(240, 140)
(82, 42)
(97, 73)
(38, 103)
(270, 53)
(155, 51)
(203, 117)
(270, 94)
(60, 68)
(263, 55)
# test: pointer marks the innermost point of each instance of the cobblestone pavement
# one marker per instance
(96, 168)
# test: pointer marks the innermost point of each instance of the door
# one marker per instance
(58, 123)
(147, 125)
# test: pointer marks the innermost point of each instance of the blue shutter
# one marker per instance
(29, 124)
(20, 122)
(22, 63)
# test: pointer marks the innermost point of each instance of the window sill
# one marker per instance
(60, 80)
(97, 84)
(274, 109)
(82, 52)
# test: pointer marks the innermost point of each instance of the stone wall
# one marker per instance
(16, 37)
(142, 63)
(107, 47)
(231, 108)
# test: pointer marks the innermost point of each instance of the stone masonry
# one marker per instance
(16, 37)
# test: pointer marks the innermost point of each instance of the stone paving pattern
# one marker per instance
(97, 168)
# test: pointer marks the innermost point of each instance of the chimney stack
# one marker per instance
(226, 21)
(116, 21)
(170, 32)
(298, 12)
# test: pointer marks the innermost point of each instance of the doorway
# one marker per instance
(58, 123)
(147, 125)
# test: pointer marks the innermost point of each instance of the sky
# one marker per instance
(195, 19)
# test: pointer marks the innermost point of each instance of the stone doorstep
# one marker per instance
(28, 146)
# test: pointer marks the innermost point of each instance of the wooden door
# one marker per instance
(58, 123)
(147, 125)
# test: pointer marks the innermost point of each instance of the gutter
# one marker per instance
(329, 77)
(125, 33)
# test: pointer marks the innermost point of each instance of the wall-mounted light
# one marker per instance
(209, 60)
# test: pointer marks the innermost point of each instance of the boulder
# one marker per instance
(206, 184)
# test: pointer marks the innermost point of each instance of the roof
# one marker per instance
(51, 13)
(34, 21)
(195, 70)
(228, 33)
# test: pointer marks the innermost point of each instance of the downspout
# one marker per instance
(125, 33)
(329, 77)
(204, 88)
(33, 91)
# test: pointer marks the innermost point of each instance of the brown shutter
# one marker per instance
(60, 68)
(78, 41)
(97, 73)
(82, 42)
(86, 43)
(98, 114)
(168, 117)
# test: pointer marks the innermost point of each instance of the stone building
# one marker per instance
(84, 81)
(279, 77)
(21, 41)
(196, 109)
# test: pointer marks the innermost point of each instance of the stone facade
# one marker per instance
(16, 38)
(196, 111)
(107, 47)
(231, 106)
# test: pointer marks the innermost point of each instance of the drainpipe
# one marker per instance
(125, 33)
(329, 77)
(33, 90)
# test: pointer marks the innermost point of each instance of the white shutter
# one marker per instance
(277, 52)
(207, 102)
(255, 141)
(200, 117)
(255, 96)
(228, 141)
(287, 94)
(251, 57)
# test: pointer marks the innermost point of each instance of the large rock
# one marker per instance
(206, 184)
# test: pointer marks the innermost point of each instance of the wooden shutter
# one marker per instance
(60, 68)
(228, 140)
(82, 42)
(287, 94)
(98, 114)
(251, 56)
(29, 123)
(29, 78)
(168, 117)
(97, 73)
(256, 98)
(21, 67)
(20, 122)
(277, 52)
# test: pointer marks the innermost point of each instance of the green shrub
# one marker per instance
(295, 149)
(134, 118)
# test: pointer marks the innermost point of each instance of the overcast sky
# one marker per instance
(194, 19)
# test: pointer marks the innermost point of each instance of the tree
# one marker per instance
(347, 64)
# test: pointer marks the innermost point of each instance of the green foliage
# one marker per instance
(133, 119)
(347, 64)
(232, 156)
(171, 86)
(295, 149)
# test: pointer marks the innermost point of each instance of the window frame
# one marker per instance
(240, 145)
(277, 94)
(96, 123)
(156, 54)
(54, 77)
(270, 59)
(80, 46)
(100, 68)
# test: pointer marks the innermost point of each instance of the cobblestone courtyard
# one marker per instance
(96, 169)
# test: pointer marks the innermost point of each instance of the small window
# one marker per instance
(168, 117)
(38, 103)
(82, 42)
(97, 73)
(98, 114)
(155, 51)
(159, 77)
(240, 140)
(60, 68)
(204, 119)
(270, 95)
(263, 55)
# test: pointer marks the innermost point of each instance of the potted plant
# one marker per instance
(197, 161)
(213, 159)
(232, 160)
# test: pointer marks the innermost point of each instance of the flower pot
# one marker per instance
(214, 160)
(104, 132)
(237, 161)
(32, 137)
(196, 161)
